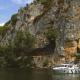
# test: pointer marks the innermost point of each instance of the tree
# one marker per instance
(24, 41)
(51, 34)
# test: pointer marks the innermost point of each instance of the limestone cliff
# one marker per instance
(37, 18)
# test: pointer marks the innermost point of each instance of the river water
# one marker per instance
(16, 74)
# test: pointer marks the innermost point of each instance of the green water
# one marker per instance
(15, 74)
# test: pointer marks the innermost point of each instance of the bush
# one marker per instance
(14, 19)
(46, 3)
(22, 10)
(51, 34)
(7, 23)
(42, 1)
(24, 41)
(3, 30)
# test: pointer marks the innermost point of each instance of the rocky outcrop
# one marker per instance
(61, 15)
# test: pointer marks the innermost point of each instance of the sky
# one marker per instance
(10, 7)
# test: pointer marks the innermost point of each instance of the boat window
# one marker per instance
(61, 66)
(65, 65)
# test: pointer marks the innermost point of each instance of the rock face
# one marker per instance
(69, 23)
(61, 15)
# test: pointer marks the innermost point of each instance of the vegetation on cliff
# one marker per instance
(14, 19)
(51, 34)
(21, 47)
(6, 27)
(3, 30)
(46, 3)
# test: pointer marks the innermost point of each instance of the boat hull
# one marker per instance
(68, 71)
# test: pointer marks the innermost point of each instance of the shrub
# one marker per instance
(24, 41)
(3, 30)
(46, 3)
(51, 34)
(14, 19)
(7, 23)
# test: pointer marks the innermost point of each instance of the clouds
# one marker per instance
(19, 2)
(2, 24)
(10, 7)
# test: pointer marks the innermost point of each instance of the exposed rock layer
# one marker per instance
(62, 15)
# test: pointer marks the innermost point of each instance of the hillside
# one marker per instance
(43, 33)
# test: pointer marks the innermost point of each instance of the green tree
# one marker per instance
(24, 41)
(51, 34)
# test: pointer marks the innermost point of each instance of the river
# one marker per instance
(17, 74)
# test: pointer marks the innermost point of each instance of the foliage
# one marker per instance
(22, 9)
(46, 3)
(3, 30)
(7, 23)
(26, 62)
(51, 34)
(14, 19)
(24, 40)
(22, 43)
(42, 1)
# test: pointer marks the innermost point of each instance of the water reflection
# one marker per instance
(15, 74)
(65, 76)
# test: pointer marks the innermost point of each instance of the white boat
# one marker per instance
(67, 68)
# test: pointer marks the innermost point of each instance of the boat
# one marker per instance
(67, 68)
